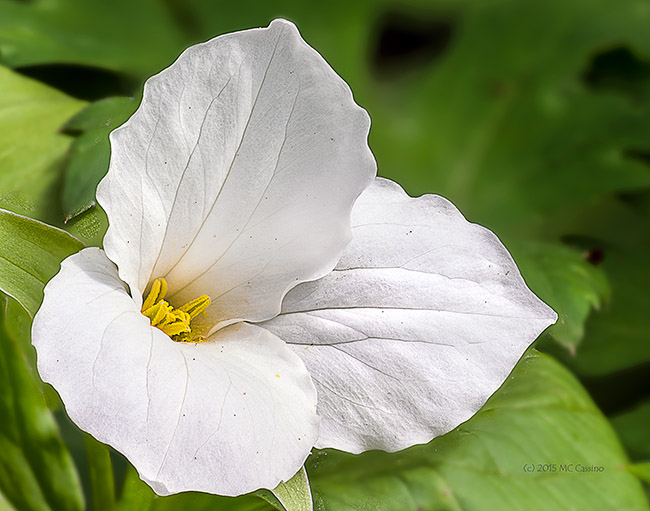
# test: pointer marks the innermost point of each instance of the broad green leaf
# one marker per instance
(30, 254)
(524, 449)
(90, 152)
(565, 280)
(36, 471)
(31, 147)
(134, 37)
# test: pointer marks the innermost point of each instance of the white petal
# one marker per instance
(422, 320)
(227, 416)
(236, 176)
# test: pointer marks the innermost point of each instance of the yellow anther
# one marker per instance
(157, 293)
(196, 306)
(174, 322)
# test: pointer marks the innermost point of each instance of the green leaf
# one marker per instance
(524, 449)
(632, 428)
(206, 502)
(565, 280)
(641, 470)
(294, 495)
(136, 494)
(36, 471)
(107, 113)
(102, 484)
(30, 255)
(89, 226)
(134, 37)
(31, 147)
(504, 126)
(5, 505)
(616, 337)
(90, 152)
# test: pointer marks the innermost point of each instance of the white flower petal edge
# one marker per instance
(227, 416)
(239, 172)
(421, 321)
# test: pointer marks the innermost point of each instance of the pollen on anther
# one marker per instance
(174, 322)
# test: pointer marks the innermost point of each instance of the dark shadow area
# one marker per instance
(638, 200)
(82, 82)
(640, 155)
(620, 391)
(593, 250)
(620, 70)
(186, 18)
(406, 41)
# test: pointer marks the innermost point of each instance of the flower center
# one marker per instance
(174, 322)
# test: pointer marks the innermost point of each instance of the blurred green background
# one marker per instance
(532, 117)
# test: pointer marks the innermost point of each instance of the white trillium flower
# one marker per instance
(325, 307)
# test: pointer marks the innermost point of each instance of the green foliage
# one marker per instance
(641, 470)
(31, 147)
(294, 495)
(30, 254)
(36, 471)
(135, 495)
(100, 471)
(632, 427)
(89, 226)
(495, 122)
(90, 152)
(533, 117)
(567, 282)
(137, 37)
(540, 420)
(618, 338)
(205, 502)
(504, 124)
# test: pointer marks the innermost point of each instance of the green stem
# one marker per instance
(102, 484)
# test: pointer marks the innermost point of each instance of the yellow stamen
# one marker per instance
(196, 306)
(174, 322)
(157, 293)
